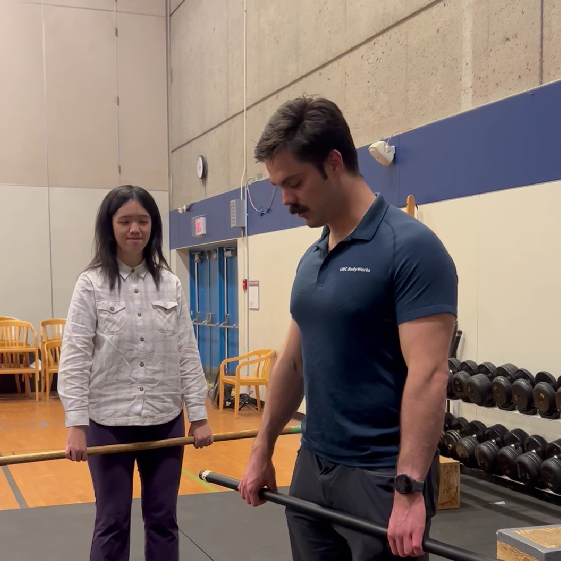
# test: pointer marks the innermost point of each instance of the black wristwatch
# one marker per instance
(405, 485)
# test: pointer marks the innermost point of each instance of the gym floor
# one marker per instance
(52, 502)
(28, 426)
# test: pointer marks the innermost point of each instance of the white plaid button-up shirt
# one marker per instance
(130, 358)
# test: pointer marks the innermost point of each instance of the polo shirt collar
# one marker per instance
(366, 228)
(125, 271)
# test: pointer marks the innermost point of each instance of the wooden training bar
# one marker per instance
(449, 469)
(536, 543)
(135, 446)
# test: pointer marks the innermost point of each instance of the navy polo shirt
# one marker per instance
(348, 304)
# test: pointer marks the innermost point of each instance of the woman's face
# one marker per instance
(131, 226)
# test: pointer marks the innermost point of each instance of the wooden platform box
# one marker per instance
(533, 543)
(449, 486)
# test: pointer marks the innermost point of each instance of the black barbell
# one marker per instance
(337, 517)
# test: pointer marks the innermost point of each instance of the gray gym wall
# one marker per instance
(390, 65)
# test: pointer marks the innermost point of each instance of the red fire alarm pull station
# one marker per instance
(244, 285)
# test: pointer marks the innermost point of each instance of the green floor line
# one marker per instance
(200, 481)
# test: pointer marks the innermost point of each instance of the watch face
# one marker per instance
(403, 484)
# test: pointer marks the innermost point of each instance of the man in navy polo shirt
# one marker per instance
(373, 306)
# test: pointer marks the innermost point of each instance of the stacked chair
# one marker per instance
(22, 353)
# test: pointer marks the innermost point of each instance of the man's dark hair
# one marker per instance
(105, 257)
(308, 128)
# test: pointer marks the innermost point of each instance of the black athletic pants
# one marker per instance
(363, 493)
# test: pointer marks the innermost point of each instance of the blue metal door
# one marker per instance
(214, 306)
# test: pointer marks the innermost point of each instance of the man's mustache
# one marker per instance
(297, 209)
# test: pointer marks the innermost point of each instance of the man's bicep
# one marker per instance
(292, 347)
(426, 300)
(425, 341)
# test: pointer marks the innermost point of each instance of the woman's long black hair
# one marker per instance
(105, 257)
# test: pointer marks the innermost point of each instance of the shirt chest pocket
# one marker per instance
(112, 317)
(165, 313)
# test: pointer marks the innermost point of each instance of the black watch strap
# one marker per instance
(405, 484)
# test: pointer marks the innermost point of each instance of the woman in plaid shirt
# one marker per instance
(129, 364)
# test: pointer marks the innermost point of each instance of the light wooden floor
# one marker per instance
(30, 426)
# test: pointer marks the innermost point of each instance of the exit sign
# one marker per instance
(199, 226)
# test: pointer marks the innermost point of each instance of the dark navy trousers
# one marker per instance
(112, 477)
(365, 493)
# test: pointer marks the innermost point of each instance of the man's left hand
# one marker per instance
(201, 433)
(406, 527)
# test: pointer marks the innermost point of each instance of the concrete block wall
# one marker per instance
(391, 66)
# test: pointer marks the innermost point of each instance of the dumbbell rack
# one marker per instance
(543, 494)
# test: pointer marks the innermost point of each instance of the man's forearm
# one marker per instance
(422, 417)
(284, 396)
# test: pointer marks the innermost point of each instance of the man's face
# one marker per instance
(304, 189)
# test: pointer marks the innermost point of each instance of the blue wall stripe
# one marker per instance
(510, 143)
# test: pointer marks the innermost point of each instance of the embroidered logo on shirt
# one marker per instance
(354, 269)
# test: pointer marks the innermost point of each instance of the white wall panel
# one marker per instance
(81, 98)
(25, 282)
(23, 157)
(268, 326)
(73, 214)
(519, 304)
(446, 220)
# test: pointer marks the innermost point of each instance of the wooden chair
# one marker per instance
(51, 330)
(50, 362)
(15, 338)
(261, 360)
(4, 358)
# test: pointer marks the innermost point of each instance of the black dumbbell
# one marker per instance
(516, 438)
(558, 397)
(464, 449)
(459, 385)
(513, 446)
(448, 420)
(469, 366)
(460, 379)
(544, 395)
(553, 449)
(486, 452)
(479, 386)
(523, 392)
(502, 386)
(441, 446)
(459, 424)
(528, 464)
(500, 437)
(453, 435)
(550, 470)
(453, 367)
